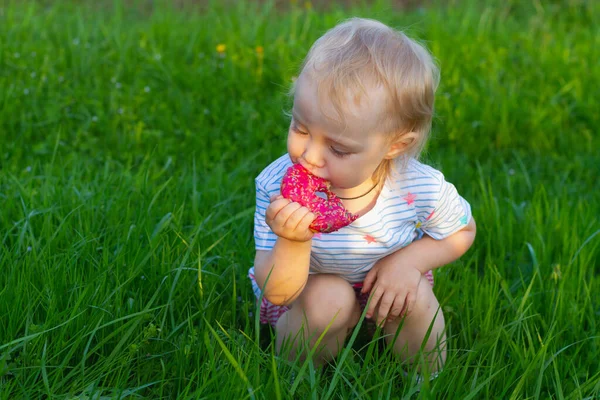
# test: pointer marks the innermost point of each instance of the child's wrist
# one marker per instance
(295, 243)
(405, 258)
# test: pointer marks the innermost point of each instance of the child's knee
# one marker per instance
(425, 301)
(328, 298)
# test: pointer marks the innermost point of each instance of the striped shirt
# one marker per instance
(413, 201)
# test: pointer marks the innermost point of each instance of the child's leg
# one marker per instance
(415, 327)
(324, 297)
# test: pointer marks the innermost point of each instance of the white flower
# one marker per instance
(28, 169)
(61, 78)
(76, 41)
(113, 79)
(25, 91)
(118, 85)
(206, 111)
(17, 55)
(33, 74)
(157, 57)
(28, 248)
(94, 119)
(147, 89)
(120, 110)
(511, 171)
(143, 278)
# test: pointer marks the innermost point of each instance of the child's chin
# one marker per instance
(339, 187)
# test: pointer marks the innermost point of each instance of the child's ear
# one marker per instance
(401, 145)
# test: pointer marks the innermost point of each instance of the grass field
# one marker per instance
(130, 138)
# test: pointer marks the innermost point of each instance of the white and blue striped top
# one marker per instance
(413, 201)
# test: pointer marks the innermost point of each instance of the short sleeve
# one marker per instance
(445, 213)
(264, 238)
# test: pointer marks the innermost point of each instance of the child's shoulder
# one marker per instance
(416, 170)
(271, 176)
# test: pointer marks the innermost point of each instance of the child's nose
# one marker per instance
(313, 155)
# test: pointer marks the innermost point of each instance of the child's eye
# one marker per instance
(295, 129)
(339, 153)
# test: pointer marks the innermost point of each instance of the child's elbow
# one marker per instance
(277, 291)
(271, 291)
(282, 298)
(280, 294)
(470, 231)
(277, 300)
(472, 226)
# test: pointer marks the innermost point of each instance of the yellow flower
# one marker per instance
(308, 5)
(260, 50)
(221, 48)
(556, 274)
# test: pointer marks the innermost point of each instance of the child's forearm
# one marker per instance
(428, 253)
(286, 267)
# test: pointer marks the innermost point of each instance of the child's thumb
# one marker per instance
(368, 282)
(275, 197)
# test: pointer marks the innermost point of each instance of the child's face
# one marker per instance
(345, 157)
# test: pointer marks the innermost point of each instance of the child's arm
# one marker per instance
(287, 264)
(394, 280)
(427, 253)
(450, 230)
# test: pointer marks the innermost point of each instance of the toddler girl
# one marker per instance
(363, 105)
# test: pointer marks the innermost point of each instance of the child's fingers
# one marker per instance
(305, 222)
(369, 280)
(284, 214)
(384, 308)
(409, 303)
(275, 197)
(397, 308)
(275, 207)
(375, 296)
(294, 219)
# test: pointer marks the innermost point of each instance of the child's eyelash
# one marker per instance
(295, 129)
(337, 153)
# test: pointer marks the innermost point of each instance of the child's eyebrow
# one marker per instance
(296, 117)
(348, 146)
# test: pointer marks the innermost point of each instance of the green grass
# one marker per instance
(128, 149)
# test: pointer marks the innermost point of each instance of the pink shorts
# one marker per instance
(270, 313)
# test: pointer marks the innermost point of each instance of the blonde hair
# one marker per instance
(361, 53)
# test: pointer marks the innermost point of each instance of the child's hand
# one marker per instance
(393, 285)
(289, 219)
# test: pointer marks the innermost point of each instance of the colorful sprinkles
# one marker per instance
(299, 185)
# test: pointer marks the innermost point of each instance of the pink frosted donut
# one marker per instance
(299, 185)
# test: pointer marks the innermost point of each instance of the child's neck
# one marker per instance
(363, 204)
(358, 192)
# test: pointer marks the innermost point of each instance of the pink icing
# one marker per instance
(300, 185)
